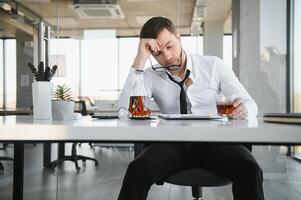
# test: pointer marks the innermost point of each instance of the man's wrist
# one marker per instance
(139, 63)
(137, 68)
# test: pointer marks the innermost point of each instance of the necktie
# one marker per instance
(183, 102)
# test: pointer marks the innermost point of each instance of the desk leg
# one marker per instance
(61, 150)
(47, 154)
(47, 163)
(18, 175)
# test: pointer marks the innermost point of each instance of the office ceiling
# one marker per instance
(136, 12)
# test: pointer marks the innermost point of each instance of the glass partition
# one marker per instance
(270, 82)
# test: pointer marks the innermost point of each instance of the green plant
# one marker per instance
(62, 93)
(42, 74)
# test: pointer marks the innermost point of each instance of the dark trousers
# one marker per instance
(158, 161)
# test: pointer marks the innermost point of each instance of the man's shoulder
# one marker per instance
(150, 72)
(204, 61)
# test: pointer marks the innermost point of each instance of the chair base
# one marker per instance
(74, 158)
(197, 193)
(1, 164)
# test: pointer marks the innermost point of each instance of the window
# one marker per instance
(69, 50)
(127, 52)
(10, 59)
(192, 44)
(99, 68)
(227, 49)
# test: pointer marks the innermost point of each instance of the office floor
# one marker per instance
(103, 182)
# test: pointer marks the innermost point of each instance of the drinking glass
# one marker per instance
(224, 104)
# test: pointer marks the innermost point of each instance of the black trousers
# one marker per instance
(158, 161)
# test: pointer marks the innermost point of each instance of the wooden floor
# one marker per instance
(103, 182)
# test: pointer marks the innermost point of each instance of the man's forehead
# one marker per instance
(164, 38)
(163, 43)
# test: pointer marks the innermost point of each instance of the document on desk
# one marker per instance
(189, 117)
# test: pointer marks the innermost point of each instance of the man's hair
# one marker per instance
(155, 25)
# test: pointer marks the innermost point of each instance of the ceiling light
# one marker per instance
(5, 6)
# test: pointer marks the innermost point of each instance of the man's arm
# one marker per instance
(145, 48)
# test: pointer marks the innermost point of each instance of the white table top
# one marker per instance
(24, 128)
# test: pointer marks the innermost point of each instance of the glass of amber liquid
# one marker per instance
(139, 107)
(224, 104)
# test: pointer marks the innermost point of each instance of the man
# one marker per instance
(201, 78)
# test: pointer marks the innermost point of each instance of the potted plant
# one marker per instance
(62, 103)
(41, 90)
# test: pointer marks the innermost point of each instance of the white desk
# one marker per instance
(20, 129)
(24, 128)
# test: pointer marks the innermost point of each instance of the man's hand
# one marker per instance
(240, 111)
(146, 47)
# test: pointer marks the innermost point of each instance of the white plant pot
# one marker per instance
(62, 110)
(41, 97)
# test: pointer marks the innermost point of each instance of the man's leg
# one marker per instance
(155, 163)
(238, 164)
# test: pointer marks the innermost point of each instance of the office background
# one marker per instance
(258, 39)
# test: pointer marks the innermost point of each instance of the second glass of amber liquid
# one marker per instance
(224, 104)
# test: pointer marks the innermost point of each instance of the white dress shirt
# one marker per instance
(209, 75)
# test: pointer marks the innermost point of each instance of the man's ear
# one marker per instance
(178, 36)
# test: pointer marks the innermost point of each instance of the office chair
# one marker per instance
(80, 106)
(86, 105)
(4, 158)
(197, 179)
(194, 177)
(1, 164)
(73, 157)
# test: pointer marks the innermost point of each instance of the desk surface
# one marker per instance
(24, 128)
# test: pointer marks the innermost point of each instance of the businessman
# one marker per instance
(182, 83)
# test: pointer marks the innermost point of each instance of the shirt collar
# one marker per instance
(189, 66)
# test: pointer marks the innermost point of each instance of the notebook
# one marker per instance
(294, 118)
(189, 117)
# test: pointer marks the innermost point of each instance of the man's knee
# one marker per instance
(253, 171)
(136, 166)
(139, 165)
